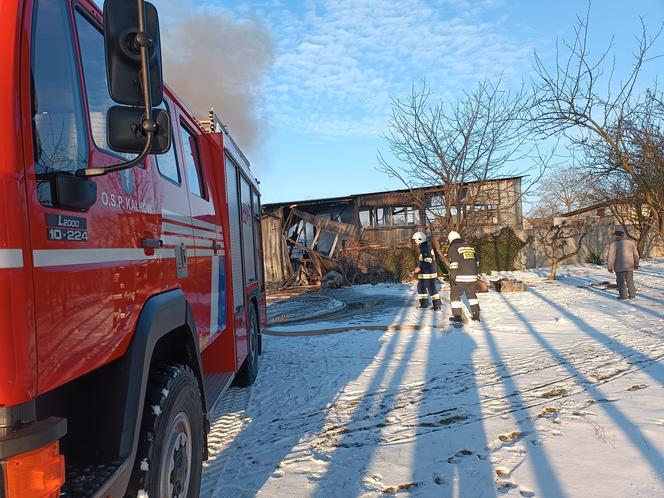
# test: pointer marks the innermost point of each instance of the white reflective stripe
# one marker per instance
(197, 232)
(165, 253)
(205, 224)
(428, 260)
(423, 296)
(206, 234)
(11, 258)
(420, 258)
(466, 278)
(427, 275)
(183, 218)
(203, 253)
(172, 240)
(170, 215)
(169, 227)
(466, 248)
(63, 257)
(454, 266)
(473, 301)
(208, 252)
(456, 304)
(214, 297)
(435, 296)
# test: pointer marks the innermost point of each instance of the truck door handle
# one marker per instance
(151, 243)
(181, 263)
(215, 246)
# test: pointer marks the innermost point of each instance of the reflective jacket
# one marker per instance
(426, 262)
(463, 261)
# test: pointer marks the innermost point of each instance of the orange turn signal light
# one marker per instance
(37, 474)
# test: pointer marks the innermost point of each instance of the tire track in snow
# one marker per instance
(228, 420)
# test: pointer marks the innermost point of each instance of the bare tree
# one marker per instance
(579, 99)
(561, 241)
(625, 201)
(643, 139)
(562, 190)
(624, 194)
(458, 147)
(635, 218)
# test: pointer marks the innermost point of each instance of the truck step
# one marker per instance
(215, 385)
(85, 480)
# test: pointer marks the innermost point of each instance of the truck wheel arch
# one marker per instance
(165, 319)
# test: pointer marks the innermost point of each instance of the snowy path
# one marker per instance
(557, 393)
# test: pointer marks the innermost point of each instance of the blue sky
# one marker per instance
(324, 95)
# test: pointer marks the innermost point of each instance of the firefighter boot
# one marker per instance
(437, 304)
(456, 319)
(424, 304)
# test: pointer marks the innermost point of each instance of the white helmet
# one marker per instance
(452, 236)
(419, 237)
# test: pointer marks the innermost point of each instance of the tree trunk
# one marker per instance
(642, 240)
(554, 268)
(440, 254)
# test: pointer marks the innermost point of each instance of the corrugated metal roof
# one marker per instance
(348, 198)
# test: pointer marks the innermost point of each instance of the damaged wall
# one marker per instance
(275, 251)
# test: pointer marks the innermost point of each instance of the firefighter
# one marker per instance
(463, 276)
(426, 273)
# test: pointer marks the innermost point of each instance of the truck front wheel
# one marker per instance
(170, 452)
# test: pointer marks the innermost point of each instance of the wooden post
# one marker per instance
(316, 237)
(300, 227)
(334, 245)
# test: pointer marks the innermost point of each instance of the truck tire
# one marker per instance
(170, 450)
(248, 372)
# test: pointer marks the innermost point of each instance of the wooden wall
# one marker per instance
(275, 252)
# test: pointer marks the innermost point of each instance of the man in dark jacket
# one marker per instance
(426, 273)
(463, 276)
(623, 259)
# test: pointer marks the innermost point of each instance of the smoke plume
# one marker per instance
(221, 62)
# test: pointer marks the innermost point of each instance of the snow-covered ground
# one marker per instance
(559, 392)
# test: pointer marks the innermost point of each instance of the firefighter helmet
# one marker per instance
(419, 237)
(452, 236)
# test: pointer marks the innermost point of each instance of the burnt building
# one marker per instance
(317, 229)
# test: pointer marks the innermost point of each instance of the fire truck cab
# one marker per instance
(131, 296)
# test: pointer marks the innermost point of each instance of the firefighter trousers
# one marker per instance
(427, 287)
(457, 290)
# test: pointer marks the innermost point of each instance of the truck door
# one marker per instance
(176, 231)
(88, 263)
(207, 252)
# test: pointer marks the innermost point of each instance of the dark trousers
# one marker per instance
(457, 290)
(427, 287)
(625, 281)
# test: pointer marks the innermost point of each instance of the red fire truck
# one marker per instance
(131, 282)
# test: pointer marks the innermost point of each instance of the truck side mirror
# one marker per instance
(123, 56)
(133, 65)
(125, 133)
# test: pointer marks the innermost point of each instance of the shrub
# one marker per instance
(379, 264)
(498, 251)
(398, 264)
(594, 259)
